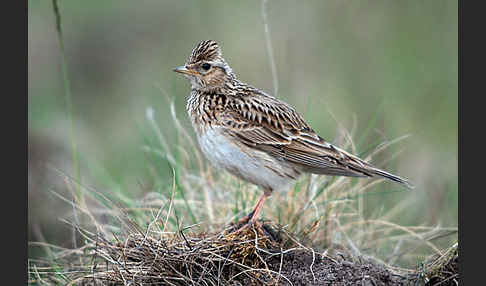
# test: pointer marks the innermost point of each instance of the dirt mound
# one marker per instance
(254, 256)
(296, 267)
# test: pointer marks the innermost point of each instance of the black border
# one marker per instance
(14, 136)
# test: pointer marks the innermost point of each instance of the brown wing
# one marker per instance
(267, 124)
(272, 126)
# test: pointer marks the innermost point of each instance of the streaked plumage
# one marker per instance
(255, 136)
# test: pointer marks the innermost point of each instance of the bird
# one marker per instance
(255, 136)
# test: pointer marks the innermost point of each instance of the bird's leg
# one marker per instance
(252, 217)
(258, 208)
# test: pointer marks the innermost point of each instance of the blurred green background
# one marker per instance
(390, 67)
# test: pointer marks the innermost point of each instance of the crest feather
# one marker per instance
(207, 50)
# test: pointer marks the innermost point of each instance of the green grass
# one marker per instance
(68, 96)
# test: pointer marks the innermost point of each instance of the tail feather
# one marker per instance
(394, 178)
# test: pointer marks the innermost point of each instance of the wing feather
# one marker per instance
(255, 122)
(286, 137)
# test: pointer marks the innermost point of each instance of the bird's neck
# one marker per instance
(200, 109)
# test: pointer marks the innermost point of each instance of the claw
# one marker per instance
(248, 223)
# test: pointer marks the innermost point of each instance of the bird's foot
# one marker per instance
(248, 224)
(246, 219)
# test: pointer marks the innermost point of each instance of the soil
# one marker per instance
(296, 267)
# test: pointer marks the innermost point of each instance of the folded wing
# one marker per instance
(274, 127)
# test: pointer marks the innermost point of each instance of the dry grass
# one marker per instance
(177, 234)
(440, 269)
(255, 256)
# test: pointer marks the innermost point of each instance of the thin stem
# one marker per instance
(69, 107)
(268, 42)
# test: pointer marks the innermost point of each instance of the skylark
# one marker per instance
(256, 136)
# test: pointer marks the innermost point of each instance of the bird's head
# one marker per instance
(206, 67)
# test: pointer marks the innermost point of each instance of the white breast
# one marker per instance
(256, 167)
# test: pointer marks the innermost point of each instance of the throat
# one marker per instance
(199, 109)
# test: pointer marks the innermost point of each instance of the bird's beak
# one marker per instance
(185, 70)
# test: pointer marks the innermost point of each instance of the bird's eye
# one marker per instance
(206, 66)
